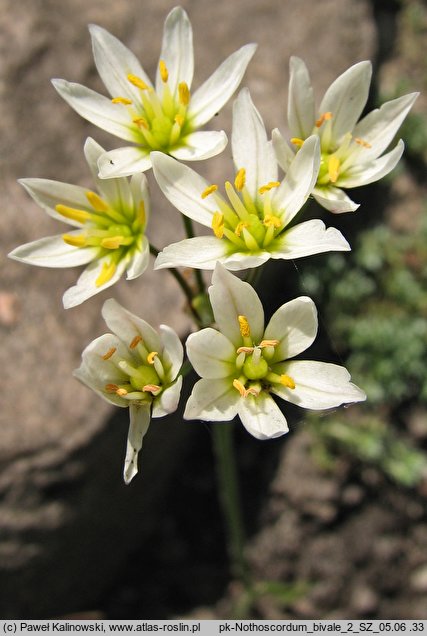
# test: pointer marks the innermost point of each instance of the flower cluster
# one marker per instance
(253, 217)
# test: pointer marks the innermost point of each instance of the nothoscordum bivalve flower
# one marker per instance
(134, 367)
(242, 364)
(351, 150)
(111, 229)
(164, 117)
(253, 222)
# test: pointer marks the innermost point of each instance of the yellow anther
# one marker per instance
(107, 272)
(164, 73)
(252, 390)
(109, 353)
(240, 180)
(323, 117)
(135, 342)
(183, 93)
(271, 220)
(245, 350)
(179, 119)
(112, 242)
(333, 168)
(141, 122)
(245, 330)
(268, 343)
(78, 240)
(81, 216)
(137, 81)
(151, 388)
(121, 392)
(122, 100)
(218, 224)
(297, 141)
(268, 186)
(151, 356)
(111, 388)
(287, 381)
(209, 190)
(239, 228)
(240, 387)
(362, 142)
(96, 202)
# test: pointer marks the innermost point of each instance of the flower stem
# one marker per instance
(228, 488)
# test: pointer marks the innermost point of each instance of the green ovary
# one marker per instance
(144, 375)
(255, 369)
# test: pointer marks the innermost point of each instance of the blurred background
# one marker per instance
(336, 511)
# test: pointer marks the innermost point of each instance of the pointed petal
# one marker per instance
(231, 297)
(213, 401)
(250, 147)
(52, 251)
(346, 98)
(173, 351)
(284, 153)
(201, 252)
(212, 355)
(97, 109)
(318, 385)
(237, 261)
(139, 261)
(168, 400)
(114, 62)
(47, 194)
(359, 175)
(86, 286)
(138, 427)
(301, 113)
(294, 324)
(261, 417)
(139, 192)
(217, 90)
(177, 50)
(123, 162)
(334, 200)
(201, 145)
(305, 239)
(127, 325)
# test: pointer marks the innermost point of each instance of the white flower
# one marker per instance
(253, 223)
(351, 150)
(242, 364)
(163, 117)
(134, 367)
(110, 236)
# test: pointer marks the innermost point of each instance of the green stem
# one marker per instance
(228, 488)
(189, 230)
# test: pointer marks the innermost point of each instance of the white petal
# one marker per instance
(183, 187)
(201, 252)
(139, 192)
(299, 181)
(200, 145)
(168, 400)
(237, 261)
(97, 109)
(114, 62)
(212, 355)
(334, 200)
(213, 401)
(123, 162)
(318, 385)
(177, 50)
(52, 251)
(346, 98)
(139, 423)
(250, 147)
(127, 325)
(139, 261)
(231, 297)
(284, 153)
(261, 417)
(86, 285)
(294, 324)
(217, 90)
(373, 171)
(173, 351)
(305, 239)
(301, 115)
(47, 194)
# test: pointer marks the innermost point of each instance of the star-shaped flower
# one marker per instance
(164, 117)
(242, 363)
(253, 223)
(111, 229)
(134, 367)
(351, 149)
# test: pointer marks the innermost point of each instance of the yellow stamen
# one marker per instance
(252, 391)
(122, 100)
(362, 142)
(109, 353)
(333, 168)
(245, 330)
(141, 122)
(112, 242)
(137, 81)
(245, 350)
(271, 220)
(107, 273)
(297, 141)
(96, 202)
(121, 392)
(240, 180)
(179, 119)
(240, 227)
(287, 381)
(183, 93)
(323, 117)
(164, 73)
(209, 190)
(151, 356)
(111, 388)
(81, 216)
(240, 387)
(268, 343)
(151, 388)
(218, 224)
(75, 241)
(135, 342)
(268, 186)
